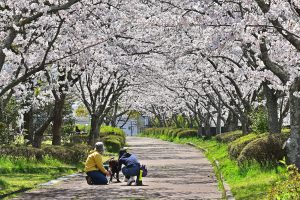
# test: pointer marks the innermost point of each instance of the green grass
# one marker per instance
(248, 182)
(20, 173)
(110, 129)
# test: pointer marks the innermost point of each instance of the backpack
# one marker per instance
(145, 170)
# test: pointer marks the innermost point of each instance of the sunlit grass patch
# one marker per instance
(20, 174)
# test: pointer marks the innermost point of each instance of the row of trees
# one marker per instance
(212, 61)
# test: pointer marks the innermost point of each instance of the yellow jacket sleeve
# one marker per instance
(99, 163)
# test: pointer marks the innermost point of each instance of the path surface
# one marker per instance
(174, 172)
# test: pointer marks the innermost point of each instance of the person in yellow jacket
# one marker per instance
(96, 173)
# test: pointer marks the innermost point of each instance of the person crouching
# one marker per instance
(132, 165)
(96, 173)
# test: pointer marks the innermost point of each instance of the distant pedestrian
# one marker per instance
(77, 130)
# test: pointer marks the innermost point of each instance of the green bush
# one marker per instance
(151, 131)
(229, 136)
(3, 184)
(109, 130)
(68, 129)
(286, 131)
(264, 150)
(68, 154)
(187, 133)
(5, 137)
(83, 127)
(171, 132)
(79, 139)
(21, 151)
(112, 143)
(236, 146)
(259, 120)
(115, 137)
(175, 131)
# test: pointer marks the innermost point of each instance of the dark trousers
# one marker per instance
(131, 171)
(98, 177)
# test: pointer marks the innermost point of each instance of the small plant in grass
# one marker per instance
(3, 184)
(288, 189)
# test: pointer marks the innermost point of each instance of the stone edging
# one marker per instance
(227, 194)
(63, 178)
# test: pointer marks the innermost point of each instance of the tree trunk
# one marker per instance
(190, 122)
(272, 109)
(200, 132)
(58, 120)
(28, 123)
(38, 134)
(245, 125)
(175, 119)
(231, 122)
(207, 125)
(218, 125)
(94, 132)
(207, 129)
(293, 143)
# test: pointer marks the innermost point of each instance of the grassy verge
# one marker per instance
(248, 182)
(19, 174)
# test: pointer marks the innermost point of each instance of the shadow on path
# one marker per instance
(174, 172)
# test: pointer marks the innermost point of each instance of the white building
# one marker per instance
(133, 126)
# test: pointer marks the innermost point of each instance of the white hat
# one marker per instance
(99, 146)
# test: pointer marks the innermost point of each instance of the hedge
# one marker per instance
(229, 136)
(79, 139)
(187, 133)
(112, 143)
(68, 154)
(236, 146)
(264, 149)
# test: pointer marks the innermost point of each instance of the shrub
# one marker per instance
(79, 139)
(83, 127)
(187, 133)
(263, 150)
(68, 154)
(155, 131)
(259, 121)
(5, 137)
(68, 129)
(229, 136)
(3, 184)
(22, 151)
(79, 152)
(286, 130)
(236, 146)
(109, 130)
(115, 137)
(112, 144)
(175, 131)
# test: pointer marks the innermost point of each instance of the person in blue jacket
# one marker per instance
(132, 165)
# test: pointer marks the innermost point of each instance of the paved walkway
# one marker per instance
(174, 172)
